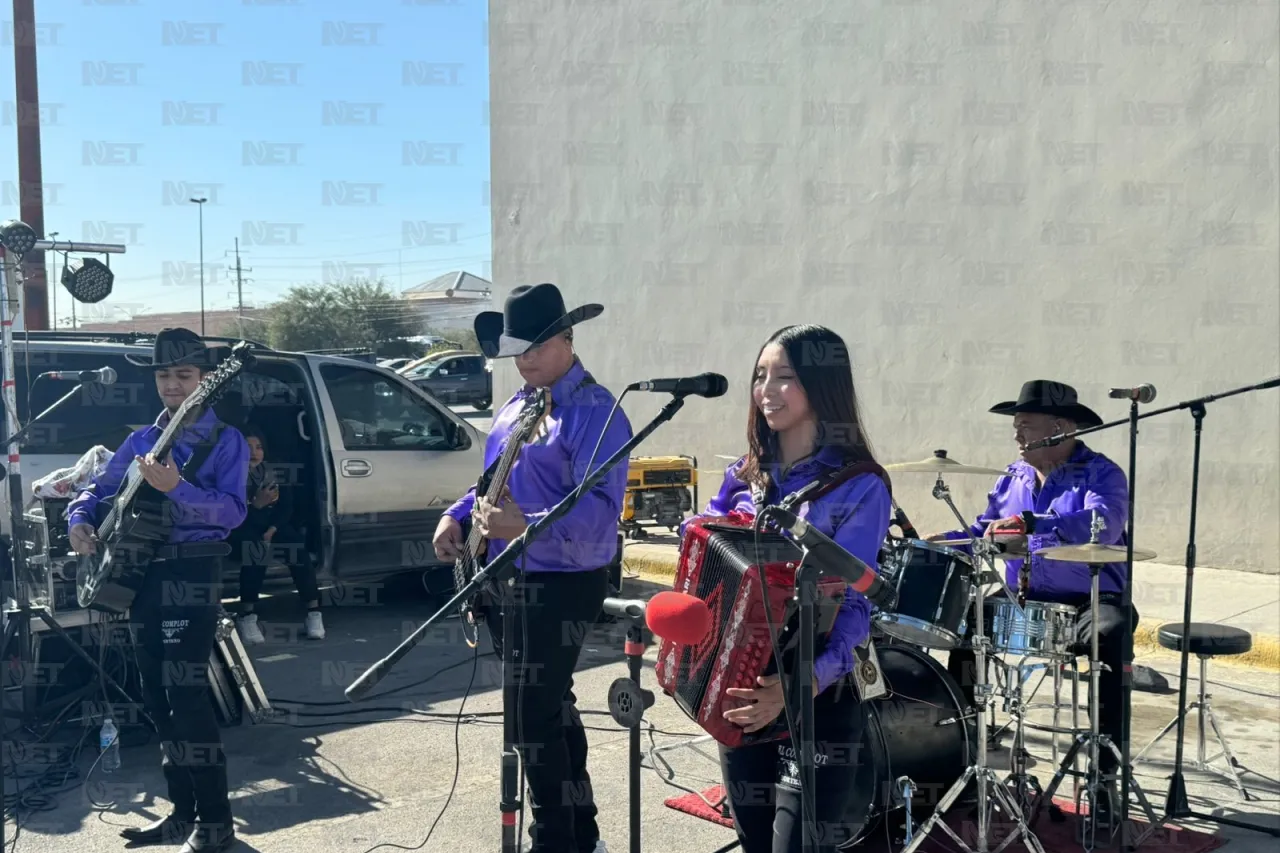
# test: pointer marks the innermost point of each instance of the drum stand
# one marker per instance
(1095, 784)
(1026, 787)
(983, 776)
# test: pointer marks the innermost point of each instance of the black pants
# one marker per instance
(287, 546)
(1111, 631)
(761, 781)
(176, 613)
(557, 609)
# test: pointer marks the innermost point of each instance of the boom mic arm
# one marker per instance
(834, 559)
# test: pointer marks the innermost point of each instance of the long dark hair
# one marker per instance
(824, 368)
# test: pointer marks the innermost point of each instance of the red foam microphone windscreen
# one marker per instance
(678, 617)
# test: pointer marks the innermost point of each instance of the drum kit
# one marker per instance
(940, 586)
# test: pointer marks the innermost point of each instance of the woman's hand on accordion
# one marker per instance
(766, 703)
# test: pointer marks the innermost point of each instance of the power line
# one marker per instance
(401, 248)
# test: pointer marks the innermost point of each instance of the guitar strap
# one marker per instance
(482, 485)
(203, 450)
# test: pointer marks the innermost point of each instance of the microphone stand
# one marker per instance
(65, 398)
(807, 593)
(495, 572)
(627, 704)
(1176, 805)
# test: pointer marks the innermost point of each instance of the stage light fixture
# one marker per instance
(87, 279)
(17, 237)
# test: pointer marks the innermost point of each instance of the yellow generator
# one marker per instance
(660, 490)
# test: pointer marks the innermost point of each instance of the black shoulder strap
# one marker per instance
(835, 478)
(203, 451)
(829, 480)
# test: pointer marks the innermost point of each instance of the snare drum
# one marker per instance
(1042, 629)
(933, 584)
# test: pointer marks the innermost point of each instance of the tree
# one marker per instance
(252, 328)
(352, 314)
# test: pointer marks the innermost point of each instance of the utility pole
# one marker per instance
(240, 291)
(35, 310)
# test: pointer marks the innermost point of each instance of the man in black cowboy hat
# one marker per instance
(176, 609)
(1063, 485)
(566, 579)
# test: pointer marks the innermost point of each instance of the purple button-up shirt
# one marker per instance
(205, 510)
(855, 515)
(552, 465)
(1063, 507)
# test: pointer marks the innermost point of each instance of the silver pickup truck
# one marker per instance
(374, 460)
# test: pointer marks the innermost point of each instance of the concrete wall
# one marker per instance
(973, 194)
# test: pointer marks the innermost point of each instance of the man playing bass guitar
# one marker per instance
(566, 579)
(176, 607)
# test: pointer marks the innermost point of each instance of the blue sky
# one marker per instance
(317, 129)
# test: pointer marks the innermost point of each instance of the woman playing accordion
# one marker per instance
(803, 426)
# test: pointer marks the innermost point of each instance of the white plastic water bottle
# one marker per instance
(109, 743)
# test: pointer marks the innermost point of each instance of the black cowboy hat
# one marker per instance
(177, 348)
(533, 313)
(1046, 397)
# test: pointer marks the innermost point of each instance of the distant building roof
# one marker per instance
(214, 321)
(462, 283)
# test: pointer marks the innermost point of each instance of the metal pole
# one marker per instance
(239, 292)
(202, 330)
(53, 291)
(10, 285)
(70, 246)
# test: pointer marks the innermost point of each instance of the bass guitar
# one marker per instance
(136, 527)
(469, 562)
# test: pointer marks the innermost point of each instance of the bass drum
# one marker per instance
(913, 731)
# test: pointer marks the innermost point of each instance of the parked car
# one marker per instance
(375, 460)
(418, 366)
(393, 363)
(460, 379)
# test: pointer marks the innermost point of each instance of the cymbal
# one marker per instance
(940, 464)
(1094, 553)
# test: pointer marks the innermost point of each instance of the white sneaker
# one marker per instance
(315, 625)
(249, 630)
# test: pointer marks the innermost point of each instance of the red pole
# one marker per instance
(30, 174)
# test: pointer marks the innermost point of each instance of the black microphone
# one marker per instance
(103, 375)
(702, 385)
(835, 560)
(904, 523)
(624, 608)
(1143, 393)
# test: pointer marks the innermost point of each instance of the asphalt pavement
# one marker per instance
(330, 775)
(326, 774)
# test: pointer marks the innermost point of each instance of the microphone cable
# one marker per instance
(457, 760)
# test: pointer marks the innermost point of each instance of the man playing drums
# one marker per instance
(1062, 486)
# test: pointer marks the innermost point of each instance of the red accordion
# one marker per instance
(720, 564)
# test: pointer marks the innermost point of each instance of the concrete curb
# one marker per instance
(1265, 654)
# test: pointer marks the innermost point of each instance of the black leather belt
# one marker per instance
(192, 550)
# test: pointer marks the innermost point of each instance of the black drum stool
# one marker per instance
(1205, 641)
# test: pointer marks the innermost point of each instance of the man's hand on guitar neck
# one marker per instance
(503, 520)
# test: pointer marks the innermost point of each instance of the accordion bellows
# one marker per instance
(725, 564)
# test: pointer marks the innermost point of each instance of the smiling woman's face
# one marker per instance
(777, 391)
